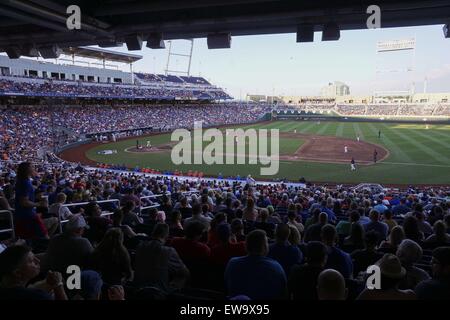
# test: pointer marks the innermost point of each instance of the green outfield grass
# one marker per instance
(417, 155)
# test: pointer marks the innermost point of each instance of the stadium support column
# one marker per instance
(131, 71)
(190, 58)
(132, 83)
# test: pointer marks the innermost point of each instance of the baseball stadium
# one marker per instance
(190, 169)
(309, 149)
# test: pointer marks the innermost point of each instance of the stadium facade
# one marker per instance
(27, 78)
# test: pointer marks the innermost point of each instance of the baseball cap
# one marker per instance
(75, 222)
(391, 266)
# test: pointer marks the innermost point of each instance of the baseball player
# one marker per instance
(357, 138)
(345, 149)
(375, 155)
(353, 165)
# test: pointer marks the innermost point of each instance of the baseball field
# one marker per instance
(406, 153)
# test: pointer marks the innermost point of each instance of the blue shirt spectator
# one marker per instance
(340, 261)
(337, 259)
(330, 214)
(363, 220)
(375, 225)
(286, 254)
(394, 201)
(381, 208)
(401, 209)
(256, 275)
(24, 189)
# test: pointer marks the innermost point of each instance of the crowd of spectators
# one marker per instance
(41, 87)
(416, 110)
(372, 109)
(382, 109)
(442, 110)
(217, 239)
(151, 78)
(350, 109)
(25, 129)
(307, 107)
(393, 109)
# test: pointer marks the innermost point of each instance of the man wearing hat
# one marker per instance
(69, 248)
(437, 288)
(391, 275)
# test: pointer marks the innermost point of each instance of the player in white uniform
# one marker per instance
(352, 165)
(357, 138)
(345, 149)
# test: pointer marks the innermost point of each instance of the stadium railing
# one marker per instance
(10, 229)
(190, 192)
(188, 178)
(156, 205)
(79, 204)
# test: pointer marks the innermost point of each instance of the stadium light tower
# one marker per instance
(187, 70)
(383, 50)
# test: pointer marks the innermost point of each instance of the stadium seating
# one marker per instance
(103, 187)
(35, 87)
(394, 109)
(147, 213)
(22, 128)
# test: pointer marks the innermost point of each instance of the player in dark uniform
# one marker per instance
(379, 134)
(352, 164)
(375, 154)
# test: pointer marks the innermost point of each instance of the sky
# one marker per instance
(278, 65)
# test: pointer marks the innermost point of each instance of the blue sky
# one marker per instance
(277, 64)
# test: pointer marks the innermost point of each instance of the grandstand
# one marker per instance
(88, 182)
(31, 78)
(43, 118)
